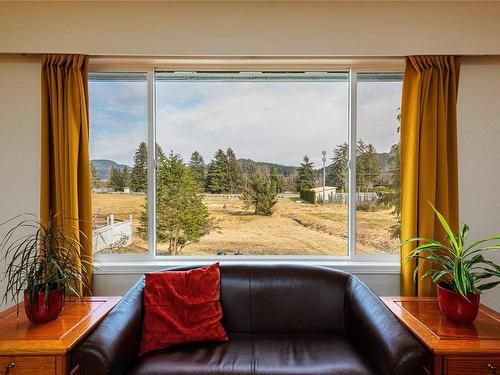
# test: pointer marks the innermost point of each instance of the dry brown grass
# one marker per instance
(294, 229)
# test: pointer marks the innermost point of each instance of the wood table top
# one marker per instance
(422, 316)
(19, 336)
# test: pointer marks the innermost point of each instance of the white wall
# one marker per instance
(118, 284)
(19, 140)
(367, 28)
(479, 152)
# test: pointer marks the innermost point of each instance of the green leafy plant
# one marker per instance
(462, 267)
(40, 257)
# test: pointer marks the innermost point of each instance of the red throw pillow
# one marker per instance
(182, 307)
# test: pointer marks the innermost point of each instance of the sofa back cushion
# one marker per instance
(282, 299)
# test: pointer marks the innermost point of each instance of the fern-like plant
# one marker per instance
(40, 257)
(461, 266)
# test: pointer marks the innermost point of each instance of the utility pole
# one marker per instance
(324, 176)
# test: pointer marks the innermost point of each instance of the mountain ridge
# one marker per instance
(103, 167)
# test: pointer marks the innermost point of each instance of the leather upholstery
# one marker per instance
(378, 334)
(270, 354)
(114, 344)
(291, 299)
(281, 319)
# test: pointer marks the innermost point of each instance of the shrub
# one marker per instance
(308, 196)
(261, 193)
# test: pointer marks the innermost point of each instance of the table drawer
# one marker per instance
(468, 365)
(27, 365)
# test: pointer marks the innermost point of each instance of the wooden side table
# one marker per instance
(454, 348)
(49, 348)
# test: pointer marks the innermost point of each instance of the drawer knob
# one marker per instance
(8, 367)
(493, 368)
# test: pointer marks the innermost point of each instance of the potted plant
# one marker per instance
(461, 272)
(43, 263)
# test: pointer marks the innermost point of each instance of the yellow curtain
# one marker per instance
(429, 171)
(65, 170)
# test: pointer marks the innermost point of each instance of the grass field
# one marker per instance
(294, 229)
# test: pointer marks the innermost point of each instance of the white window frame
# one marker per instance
(353, 262)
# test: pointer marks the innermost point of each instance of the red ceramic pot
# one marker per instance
(455, 307)
(38, 312)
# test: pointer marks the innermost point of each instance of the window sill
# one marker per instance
(359, 265)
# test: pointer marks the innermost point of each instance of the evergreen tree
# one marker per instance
(181, 215)
(138, 180)
(139, 173)
(395, 168)
(305, 175)
(361, 178)
(260, 193)
(126, 176)
(218, 174)
(392, 197)
(94, 176)
(160, 155)
(372, 166)
(197, 166)
(338, 174)
(367, 166)
(117, 179)
(277, 179)
(234, 172)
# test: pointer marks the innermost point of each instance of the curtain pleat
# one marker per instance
(65, 167)
(429, 171)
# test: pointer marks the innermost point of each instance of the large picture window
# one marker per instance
(248, 164)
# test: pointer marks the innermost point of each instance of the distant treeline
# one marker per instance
(225, 173)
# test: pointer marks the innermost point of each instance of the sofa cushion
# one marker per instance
(182, 307)
(233, 357)
(307, 354)
(276, 354)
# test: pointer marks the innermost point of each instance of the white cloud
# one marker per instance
(276, 122)
(118, 119)
(120, 147)
(378, 105)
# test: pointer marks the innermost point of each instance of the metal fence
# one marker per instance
(343, 198)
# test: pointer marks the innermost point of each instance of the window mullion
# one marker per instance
(151, 164)
(352, 163)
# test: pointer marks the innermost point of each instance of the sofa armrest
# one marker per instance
(114, 344)
(379, 335)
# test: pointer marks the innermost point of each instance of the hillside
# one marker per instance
(248, 166)
(104, 166)
(382, 157)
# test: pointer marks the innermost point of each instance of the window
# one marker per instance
(377, 162)
(245, 163)
(118, 134)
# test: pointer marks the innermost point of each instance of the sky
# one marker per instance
(277, 122)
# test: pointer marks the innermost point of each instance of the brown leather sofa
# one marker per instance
(281, 320)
